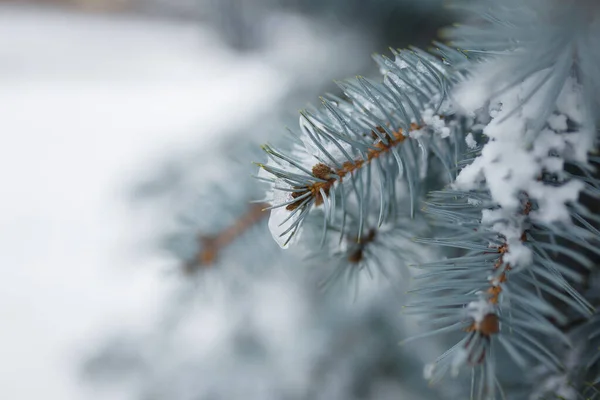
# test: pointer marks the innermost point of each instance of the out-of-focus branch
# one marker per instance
(211, 246)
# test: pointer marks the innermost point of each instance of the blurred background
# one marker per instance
(128, 129)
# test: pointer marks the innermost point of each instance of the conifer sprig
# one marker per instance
(384, 251)
(352, 152)
(486, 297)
(519, 235)
(215, 220)
(513, 210)
(212, 245)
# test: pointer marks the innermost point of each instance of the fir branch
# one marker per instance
(343, 144)
(529, 87)
(552, 39)
(487, 298)
(518, 296)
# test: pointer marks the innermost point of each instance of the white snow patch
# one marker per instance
(436, 123)
(509, 168)
(473, 202)
(471, 142)
(558, 122)
(477, 310)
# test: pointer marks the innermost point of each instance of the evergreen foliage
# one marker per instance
(528, 89)
(465, 177)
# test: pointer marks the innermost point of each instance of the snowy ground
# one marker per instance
(87, 103)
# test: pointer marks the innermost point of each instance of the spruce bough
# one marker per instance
(486, 144)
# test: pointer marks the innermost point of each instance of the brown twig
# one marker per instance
(490, 324)
(357, 255)
(211, 246)
(324, 172)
